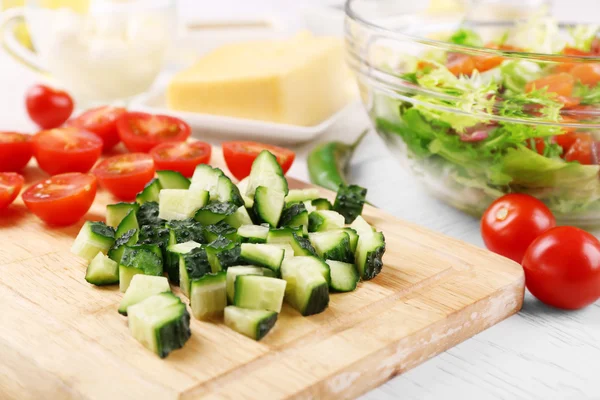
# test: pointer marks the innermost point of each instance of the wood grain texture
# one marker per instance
(61, 336)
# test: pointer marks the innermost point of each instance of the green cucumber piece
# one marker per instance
(140, 288)
(268, 205)
(128, 223)
(361, 226)
(321, 204)
(206, 178)
(181, 204)
(227, 192)
(259, 292)
(222, 254)
(266, 172)
(192, 265)
(212, 232)
(128, 239)
(116, 212)
(288, 251)
(148, 214)
(171, 264)
(214, 213)
(263, 255)
(309, 207)
(172, 180)
(254, 324)
(208, 295)
(150, 192)
(234, 272)
(239, 217)
(143, 259)
(332, 245)
(300, 195)
(344, 276)
(187, 230)
(325, 220)
(93, 238)
(295, 216)
(102, 271)
(369, 254)
(353, 236)
(253, 233)
(161, 323)
(307, 290)
(159, 235)
(350, 201)
(300, 245)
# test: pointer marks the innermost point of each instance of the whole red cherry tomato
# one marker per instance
(47, 107)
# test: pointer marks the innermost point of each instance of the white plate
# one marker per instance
(238, 128)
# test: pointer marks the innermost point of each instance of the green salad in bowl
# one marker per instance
(479, 109)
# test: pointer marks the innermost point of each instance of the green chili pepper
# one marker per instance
(327, 163)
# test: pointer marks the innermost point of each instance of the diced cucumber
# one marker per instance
(227, 192)
(192, 265)
(239, 217)
(253, 233)
(186, 230)
(212, 232)
(349, 201)
(140, 288)
(171, 264)
(93, 238)
(266, 172)
(309, 207)
(208, 295)
(268, 205)
(269, 273)
(248, 201)
(172, 180)
(295, 216)
(150, 192)
(148, 214)
(307, 290)
(259, 292)
(288, 251)
(243, 185)
(321, 204)
(254, 324)
(325, 220)
(128, 239)
(214, 212)
(344, 276)
(234, 272)
(353, 236)
(369, 253)
(222, 254)
(128, 223)
(161, 323)
(180, 204)
(300, 195)
(332, 245)
(159, 235)
(262, 255)
(116, 212)
(102, 271)
(361, 226)
(300, 245)
(206, 178)
(143, 259)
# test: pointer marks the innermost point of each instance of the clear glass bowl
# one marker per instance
(472, 138)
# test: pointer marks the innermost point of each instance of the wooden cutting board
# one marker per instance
(62, 338)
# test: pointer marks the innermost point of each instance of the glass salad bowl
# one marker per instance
(484, 103)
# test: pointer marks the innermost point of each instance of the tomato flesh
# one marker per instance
(240, 155)
(181, 157)
(47, 107)
(16, 149)
(125, 175)
(581, 150)
(460, 64)
(10, 186)
(141, 132)
(62, 199)
(68, 149)
(512, 222)
(562, 268)
(101, 121)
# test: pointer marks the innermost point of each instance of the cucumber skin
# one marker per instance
(149, 193)
(174, 334)
(373, 262)
(147, 214)
(257, 208)
(322, 204)
(265, 325)
(350, 201)
(318, 300)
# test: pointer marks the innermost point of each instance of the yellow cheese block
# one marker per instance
(298, 81)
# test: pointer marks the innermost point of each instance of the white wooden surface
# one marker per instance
(540, 353)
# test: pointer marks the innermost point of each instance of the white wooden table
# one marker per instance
(540, 353)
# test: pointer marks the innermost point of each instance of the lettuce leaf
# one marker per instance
(582, 36)
(516, 74)
(587, 94)
(466, 37)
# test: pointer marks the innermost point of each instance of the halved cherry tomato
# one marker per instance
(182, 157)
(460, 64)
(588, 74)
(581, 150)
(101, 121)
(48, 107)
(566, 140)
(68, 149)
(538, 143)
(10, 186)
(142, 132)
(16, 150)
(239, 156)
(61, 199)
(125, 175)
(561, 84)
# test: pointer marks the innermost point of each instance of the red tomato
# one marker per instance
(539, 143)
(566, 140)
(101, 121)
(562, 268)
(16, 150)
(61, 199)
(588, 74)
(561, 84)
(239, 156)
(125, 175)
(460, 64)
(581, 150)
(63, 150)
(10, 186)
(47, 107)
(142, 132)
(182, 157)
(512, 222)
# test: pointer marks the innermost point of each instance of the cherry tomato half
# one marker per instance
(125, 175)
(10, 187)
(47, 107)
(16, 150)
(101, 121)
(182, 157)
(69, 149)
(562, 268)
(512, 222)
(142, 132)
(581, 150)
(61, 199)
(239, 156)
